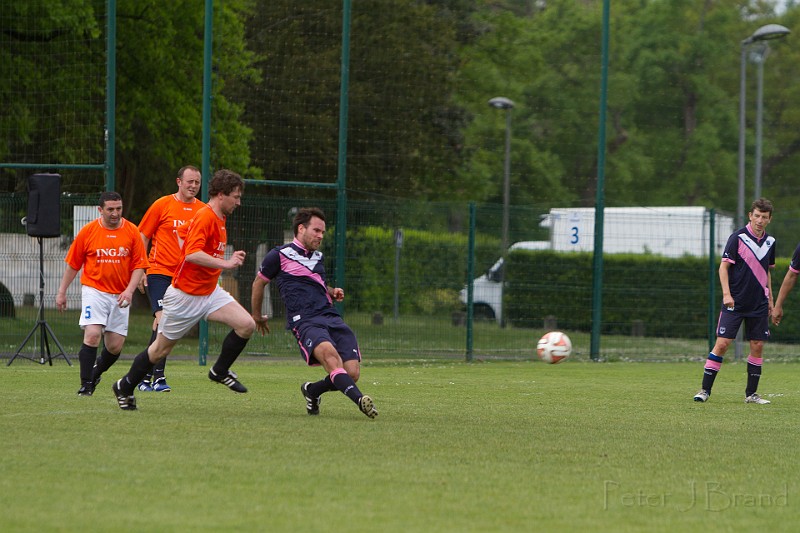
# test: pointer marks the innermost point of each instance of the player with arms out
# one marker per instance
(113, 259)
(744, 274)
(322, 336)
(195, 294)
(159, 229)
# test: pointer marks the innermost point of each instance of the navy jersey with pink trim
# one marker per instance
(300, 276)
(750, 258)
(794, 265)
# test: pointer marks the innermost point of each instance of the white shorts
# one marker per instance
(182, 311)
(101, 308)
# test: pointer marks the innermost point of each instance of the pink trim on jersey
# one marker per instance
(755, 266)
(757, 361)
(796, 271)
(297, 268)
(712, 365)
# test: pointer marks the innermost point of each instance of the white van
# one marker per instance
(487, 290)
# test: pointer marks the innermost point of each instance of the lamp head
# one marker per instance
(501, 102)
(767, 33)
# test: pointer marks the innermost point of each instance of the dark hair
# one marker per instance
(763, 205)
(184, 169)
(225, 181)
(304, 216)
(109, 196)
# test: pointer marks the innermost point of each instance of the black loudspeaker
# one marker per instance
(44, 205)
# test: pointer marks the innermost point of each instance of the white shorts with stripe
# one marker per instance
(182, 310)
(98, 307)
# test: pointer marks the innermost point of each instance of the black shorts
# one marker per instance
(157, 285)
(329, 328)
(756, 326)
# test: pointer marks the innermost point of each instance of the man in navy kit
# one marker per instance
(323, 337)
(744, 274)
(789, 281)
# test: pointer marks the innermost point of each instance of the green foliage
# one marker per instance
(670, 297)
(37, 38)
(432, 269)
(421, 74)
(160, 90)
(403, 129)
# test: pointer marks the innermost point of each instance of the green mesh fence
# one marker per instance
(423, 142)
(406, 299)
(53, 91)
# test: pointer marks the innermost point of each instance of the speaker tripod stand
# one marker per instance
(41, 325)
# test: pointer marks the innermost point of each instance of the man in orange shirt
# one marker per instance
(113, 259)
(195, 293)
(159, 229)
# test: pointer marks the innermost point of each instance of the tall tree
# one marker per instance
(52, 86)
(404, 130)
(52, 59)
(160, 88)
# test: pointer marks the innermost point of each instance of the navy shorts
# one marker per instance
(756, 327)
(157, 285)
(329, 328)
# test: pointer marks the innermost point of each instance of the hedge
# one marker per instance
(667, 297)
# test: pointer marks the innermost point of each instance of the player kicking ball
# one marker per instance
(322, 336)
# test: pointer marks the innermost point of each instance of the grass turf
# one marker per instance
(486, 446)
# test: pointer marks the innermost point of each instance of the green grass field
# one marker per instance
(486, 446)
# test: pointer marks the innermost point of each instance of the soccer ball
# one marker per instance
(554, 347)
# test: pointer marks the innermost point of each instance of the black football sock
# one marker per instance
(320, 387)
(753, 374)
(149, 376)
(140, 367)
(713, 364)
(232, 346)
(158, 369)
(86, 357)
(346, 385)
(103, 363)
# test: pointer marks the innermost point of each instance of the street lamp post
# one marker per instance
(501, 102)
(764, 33)
(759, 56)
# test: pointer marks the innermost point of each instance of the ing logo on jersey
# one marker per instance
(112, 252)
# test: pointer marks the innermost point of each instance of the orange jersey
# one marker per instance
(107, 256)
(160, 224)
(205, 233)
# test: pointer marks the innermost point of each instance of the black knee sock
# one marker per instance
(86, 357)
(713, 364)
(158, 369)
(149, 376)
(139, 369)
(232, 346)
(753, 375)
(346, 385)
(322, 386)
(103, 363)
